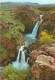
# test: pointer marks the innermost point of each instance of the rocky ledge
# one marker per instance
(43, 62)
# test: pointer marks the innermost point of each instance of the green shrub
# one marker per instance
(11, 73)
(3, 53)
(45, 37)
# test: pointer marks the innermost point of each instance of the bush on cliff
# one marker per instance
(45, 37)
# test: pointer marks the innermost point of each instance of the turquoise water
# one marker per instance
(20, 62)
(31, 37)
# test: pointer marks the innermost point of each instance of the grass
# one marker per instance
(10, 73)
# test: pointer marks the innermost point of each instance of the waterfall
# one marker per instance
(20, 62)
(21, 54)
(35, 30)
(31, 37)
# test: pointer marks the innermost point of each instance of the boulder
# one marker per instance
(45, 60)
(44, 68)
(49, 49)
(33, 56)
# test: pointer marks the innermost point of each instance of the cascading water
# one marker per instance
(31, 38)
(20, 62)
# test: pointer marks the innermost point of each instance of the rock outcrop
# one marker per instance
(43, 62)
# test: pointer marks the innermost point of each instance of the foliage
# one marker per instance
(3, 53)
(45, 37)
(46, 9)
(6, 55)
(26, 15)
(15, 30)
(14, 27)
(12, 31)
(11, 73)
(10, 35)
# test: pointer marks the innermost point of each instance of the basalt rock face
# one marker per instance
(8, 44)
(8, 51)
(49, 22)
(49, 49)
(43, 72)
(43, 62)
(26, 15)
